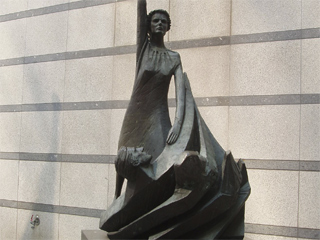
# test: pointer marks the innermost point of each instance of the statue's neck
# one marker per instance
(157, 41)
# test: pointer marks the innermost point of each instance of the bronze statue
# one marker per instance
(180, 182)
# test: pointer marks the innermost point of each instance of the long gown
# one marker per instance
(146, 122)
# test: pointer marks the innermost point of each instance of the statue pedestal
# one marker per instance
(94, 235)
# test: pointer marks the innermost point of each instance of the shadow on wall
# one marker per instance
(43, 178)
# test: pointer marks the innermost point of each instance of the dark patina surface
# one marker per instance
(180, 182)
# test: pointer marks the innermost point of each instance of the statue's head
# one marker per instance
(158, 21)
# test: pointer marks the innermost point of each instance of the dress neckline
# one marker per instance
(157, 49)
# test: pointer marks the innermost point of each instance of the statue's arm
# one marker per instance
(141, 25)
(180, 100)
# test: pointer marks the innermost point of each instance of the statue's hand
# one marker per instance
(174, 132)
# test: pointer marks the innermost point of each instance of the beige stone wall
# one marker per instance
(66, 74)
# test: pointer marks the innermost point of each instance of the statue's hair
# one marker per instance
(158, 11)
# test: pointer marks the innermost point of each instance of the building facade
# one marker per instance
(66, 75)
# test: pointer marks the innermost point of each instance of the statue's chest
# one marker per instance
(158, 62)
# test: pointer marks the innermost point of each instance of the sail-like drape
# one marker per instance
(189, 176)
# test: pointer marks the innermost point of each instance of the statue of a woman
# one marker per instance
(146, 123)
(171, 170)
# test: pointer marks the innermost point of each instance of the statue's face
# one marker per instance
(159, 24)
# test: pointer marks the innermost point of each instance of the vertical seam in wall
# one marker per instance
(114, 23)
(23, 82)
(169, 11)
(113, 79)
(300, 123)
(229, 65)
(62, 115)
(17, 216)
(59, 224)
(111, 111)
(108, 171)
(21, 117)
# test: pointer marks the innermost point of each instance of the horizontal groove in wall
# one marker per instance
(54, 9)
(285, 165)
(8, 203)
(259, 164)
(56, 157)
(88, 212)
(184, 44)
(289, 99)
(276, 36)
(282, 231)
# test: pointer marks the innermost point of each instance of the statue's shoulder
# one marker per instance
(174, 54)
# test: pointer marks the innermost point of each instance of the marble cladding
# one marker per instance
(90, 23)
(310, 59)
(39, 182)
(309, 204)
(172, 113)
(88, 79)
(274, 198)
(34, 4)
(269, 132)
(265, 132)
(84, 185)
(212, 16)
(265, 68)
(48, 228)
(111, 186)
(13, 38)
(41, 131)
(191, 20)
(310, 13)
(217, 119)
(159, 4)
(86, 132)
(251, 236)
(70, 226)
(255, 16)
(11, 6)
(9, 221)
(47, 34)
(9, 175)
(123, 76)
(11, 85)
(10, 131)
(44, 82)
(310, 132)
(209, 67)
(117, 116)
(126, 23)
(52, 225)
